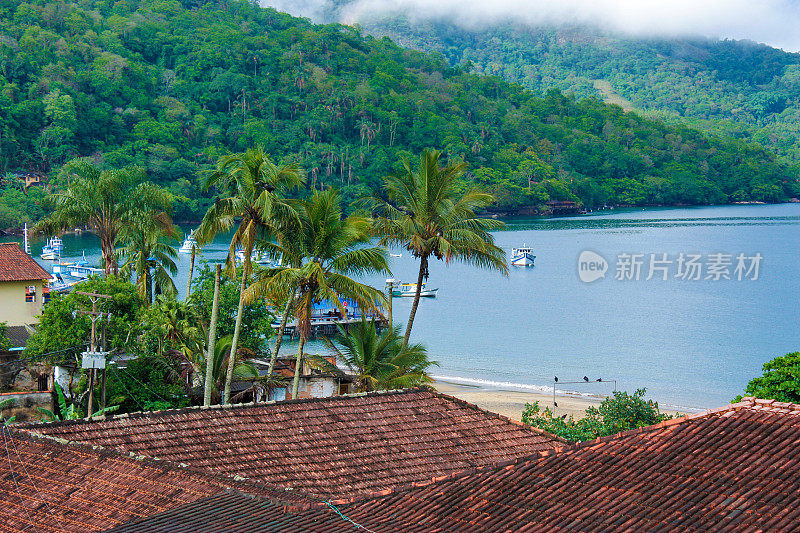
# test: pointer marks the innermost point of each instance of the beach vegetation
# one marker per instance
(619, 412)
(780, 381)
(148, 254)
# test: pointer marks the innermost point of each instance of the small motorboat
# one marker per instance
(52, 250)
(522, 256)
(409, 290)
(396, 255)
(189, 244)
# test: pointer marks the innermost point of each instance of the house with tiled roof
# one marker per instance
(326, 447)
(22, 286)
(729, 469)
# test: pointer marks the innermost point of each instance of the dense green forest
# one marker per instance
(171, 86)
(733, 88)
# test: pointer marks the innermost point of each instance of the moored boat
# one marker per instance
(52, 250)
(258, 256)
(189, 244)
(410, 289)
(522, 256)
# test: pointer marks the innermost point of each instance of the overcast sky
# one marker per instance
(775, 22)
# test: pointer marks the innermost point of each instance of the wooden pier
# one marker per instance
(328, 327)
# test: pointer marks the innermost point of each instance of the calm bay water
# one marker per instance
(690, 343)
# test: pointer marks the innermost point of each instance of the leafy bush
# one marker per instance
(617, 413)
(781, 380)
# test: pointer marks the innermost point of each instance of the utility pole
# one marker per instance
(94, 359)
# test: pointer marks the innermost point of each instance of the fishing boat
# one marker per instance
(410, 289)
(522, 256)
(78, 270)
(396, 255)
(189, 244)
(52, 250)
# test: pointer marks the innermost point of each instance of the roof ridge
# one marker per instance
(229, 480)
(193, 408)
(746, 402)
(568, 447)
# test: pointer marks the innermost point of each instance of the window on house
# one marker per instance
(30, 293)
(41, 383)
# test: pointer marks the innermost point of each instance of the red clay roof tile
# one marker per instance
(16, 265)
(333, 447)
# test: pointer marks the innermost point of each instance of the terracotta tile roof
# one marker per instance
(237, 512)
(730, 469)
(48, 485)
(332, 447)
(16, 265)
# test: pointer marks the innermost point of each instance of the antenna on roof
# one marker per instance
(25, 239)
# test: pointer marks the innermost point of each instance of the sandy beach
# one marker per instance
(510, 403)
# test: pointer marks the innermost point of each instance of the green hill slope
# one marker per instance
(735, 88)
(172, 86)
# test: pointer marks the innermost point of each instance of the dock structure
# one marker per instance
(325, 318)
(328, 327)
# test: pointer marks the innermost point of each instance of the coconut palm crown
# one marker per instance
(428, 212)
(105, 201)
(326, 249)
(253, 187)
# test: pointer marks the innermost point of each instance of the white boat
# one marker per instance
(522, 256)
(52, 250)
(189, 244)
(410, 289)
(396, 255)
(78, 270)
(257, 256)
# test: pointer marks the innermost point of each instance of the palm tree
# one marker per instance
(105, 201)
(379, 361)
(253, 184)
(148, 255)
(332, 248)
(429, 213)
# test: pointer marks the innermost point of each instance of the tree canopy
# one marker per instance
(171, 86)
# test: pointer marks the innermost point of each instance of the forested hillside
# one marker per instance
(734, 88)
(171, 86)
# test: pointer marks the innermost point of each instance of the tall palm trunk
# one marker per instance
(238, 326)
(279, 340)
(423, 267)
(212, 338)
(298, 367)
(191, 272)
(109, 257)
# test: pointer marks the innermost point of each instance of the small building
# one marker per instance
(35, 179)
(314, 383)
(23, 286)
